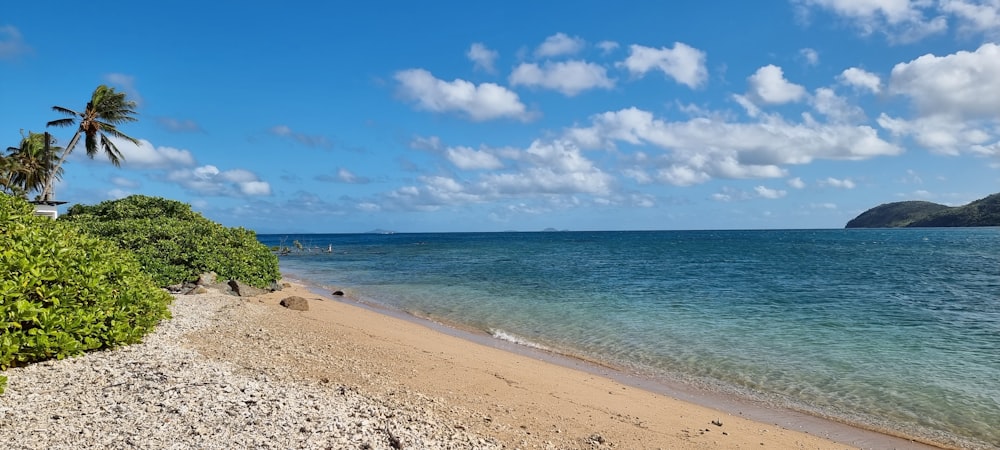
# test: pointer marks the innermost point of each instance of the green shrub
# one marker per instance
(175, 244)
(64, 292)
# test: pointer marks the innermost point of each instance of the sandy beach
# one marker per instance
(412, 385)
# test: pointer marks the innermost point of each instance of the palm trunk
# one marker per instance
(50, 178)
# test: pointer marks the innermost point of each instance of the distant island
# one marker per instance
(984, 212)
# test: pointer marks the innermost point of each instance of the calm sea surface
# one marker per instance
(890, 328)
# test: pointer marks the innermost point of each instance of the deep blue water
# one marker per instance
(891, 328)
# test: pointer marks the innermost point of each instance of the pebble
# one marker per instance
(162, 395)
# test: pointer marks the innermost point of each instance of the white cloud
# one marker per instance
(683, 63)
(544, 169)
(899, 20)
(479, 102)
(466, 158)
(860, 78)
(982, 16)
(846, 183)
(146, 156)
(567, 77)
(797, 183)
(964, 84)
(810, 55)
(12, 45)
(954, 99)
(700, 149)
(209, 180)
(304, 139)
(559, 44)
(482, 57)
(836, 108)
(942, 134)
(769, 85)
(764, 192)
(607, 46)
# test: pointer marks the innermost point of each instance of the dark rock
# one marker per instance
(175, 288)
(245, 290)
(338, 293)
(275, 286)
(295, 302)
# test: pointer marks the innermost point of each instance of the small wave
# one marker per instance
(505, 336)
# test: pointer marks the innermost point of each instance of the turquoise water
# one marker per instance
(897, 329)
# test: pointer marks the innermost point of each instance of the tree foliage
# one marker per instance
(65, 292)
(175, 244)
(98, 123)
(27, 167)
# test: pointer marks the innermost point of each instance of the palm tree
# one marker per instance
(98, 121)
(30, 165)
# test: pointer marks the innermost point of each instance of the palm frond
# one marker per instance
(61, 123)
(67, 111)
(113, 131)
(111, 151)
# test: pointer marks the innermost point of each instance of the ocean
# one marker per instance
(895, 329)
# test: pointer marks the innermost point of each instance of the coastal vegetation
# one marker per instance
(66, 292)
(175, 244)
(984, 212)
(92, 279)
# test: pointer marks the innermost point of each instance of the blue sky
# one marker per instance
(493, 116)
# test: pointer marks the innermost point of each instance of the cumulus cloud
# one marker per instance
(845, 183)
(209, 180)
(466, 158)
(308, 140)
(797, 183)
(954, 99)
(769, 85)
(179, 125)
(147, 156)
(560, 44)
(683, 63)
(482, 57)
(836, 108)
(481, 102)
(963, 83)
(899, 20)
(702, 148)
(12, 45)
(567, 77)
(860, 78)
(765, 192)
(541, 171)
(982, 16)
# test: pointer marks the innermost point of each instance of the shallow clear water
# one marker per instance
(890, 328)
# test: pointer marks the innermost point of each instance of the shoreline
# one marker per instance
(727, 404)
(246, 372)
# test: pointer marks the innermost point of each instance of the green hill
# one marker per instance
(984, 212)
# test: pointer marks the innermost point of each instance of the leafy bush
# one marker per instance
(175, 244)
(65, 292)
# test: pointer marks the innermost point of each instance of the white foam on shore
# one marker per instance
(505, 336)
